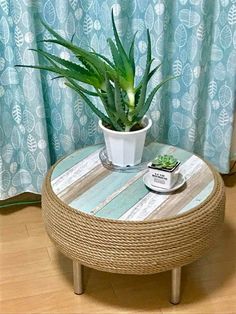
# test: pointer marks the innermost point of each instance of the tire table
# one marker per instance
(111, 221)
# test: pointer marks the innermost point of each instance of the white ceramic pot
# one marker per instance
(163, 178)
(125, 148)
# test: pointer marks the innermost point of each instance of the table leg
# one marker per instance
(78, 277)
(175, 287)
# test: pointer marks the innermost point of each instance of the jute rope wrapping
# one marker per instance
(126, 247)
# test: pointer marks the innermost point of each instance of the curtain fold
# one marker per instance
(41, 120)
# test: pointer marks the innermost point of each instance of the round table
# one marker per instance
(110, 221)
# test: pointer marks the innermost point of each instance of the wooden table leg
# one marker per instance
(175, 285)
(78, 277)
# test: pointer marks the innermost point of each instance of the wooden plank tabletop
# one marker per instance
(82, 182)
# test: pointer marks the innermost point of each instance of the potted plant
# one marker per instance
(125, 103)
(163, 171)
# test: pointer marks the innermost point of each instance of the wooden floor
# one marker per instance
(35, 278)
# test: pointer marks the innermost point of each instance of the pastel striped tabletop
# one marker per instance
(82, 182)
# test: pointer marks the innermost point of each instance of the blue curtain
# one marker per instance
(41, 120)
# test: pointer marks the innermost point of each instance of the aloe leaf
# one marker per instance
(131, 53)
(92, 69)
(104, 58)
(101, 115)
(122, 80)
(119, 67)
(83, 74)
(112, 114)
(150, 75)
(57, 77)
(138, 88)
(116, 56)
(118, 41)
(68, 64)
(88, 66)
(77, 51)
(150, 97)
(119, 105)
(86, 91)
(89, 56)
(143, 90)
(47, 57)
(96, 62)
(60, 76)
(123, 55)
(82, 89)
(63, 72)
(110, 92)
(72, 38)
(63, 42)
(149, 47)
(50, 30)
(145, 77)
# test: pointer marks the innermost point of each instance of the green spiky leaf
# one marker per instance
(125, 59)
(110, 93)
(119, 106)
(116, 57)
(131, 54)
(124, 103)
(101, 115)
(105, 59)
(113, 116)
(148, 102)
(150, 75)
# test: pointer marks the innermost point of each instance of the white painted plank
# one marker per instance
(77, 171)
(153, 200)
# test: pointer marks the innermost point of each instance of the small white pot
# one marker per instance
(163, 178)
(125, 148)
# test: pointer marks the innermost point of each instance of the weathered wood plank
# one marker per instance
(119, 205)
(152, 201)
(73, 159)
(94, 197)
(77, 171)
(198, 181)
(86, 185)
(199, 198)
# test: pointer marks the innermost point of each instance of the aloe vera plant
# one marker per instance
(113, 81)
(165, 162)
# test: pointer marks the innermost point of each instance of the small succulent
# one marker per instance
(113, 80)
(165, 162)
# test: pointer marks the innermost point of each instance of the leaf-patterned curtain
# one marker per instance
(41, 120)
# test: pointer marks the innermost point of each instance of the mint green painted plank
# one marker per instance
(150, 152)
(135, 192)
(182, 155)
(199, 198)
(154, 149)
(125, 200)
(179, 154)
(101, 190)
(73, 159)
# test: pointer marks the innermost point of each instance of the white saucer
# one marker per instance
(180, 182)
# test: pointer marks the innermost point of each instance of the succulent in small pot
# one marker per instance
(163, 171)
(123, 95)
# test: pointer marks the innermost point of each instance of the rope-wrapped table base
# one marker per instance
(130, 247)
